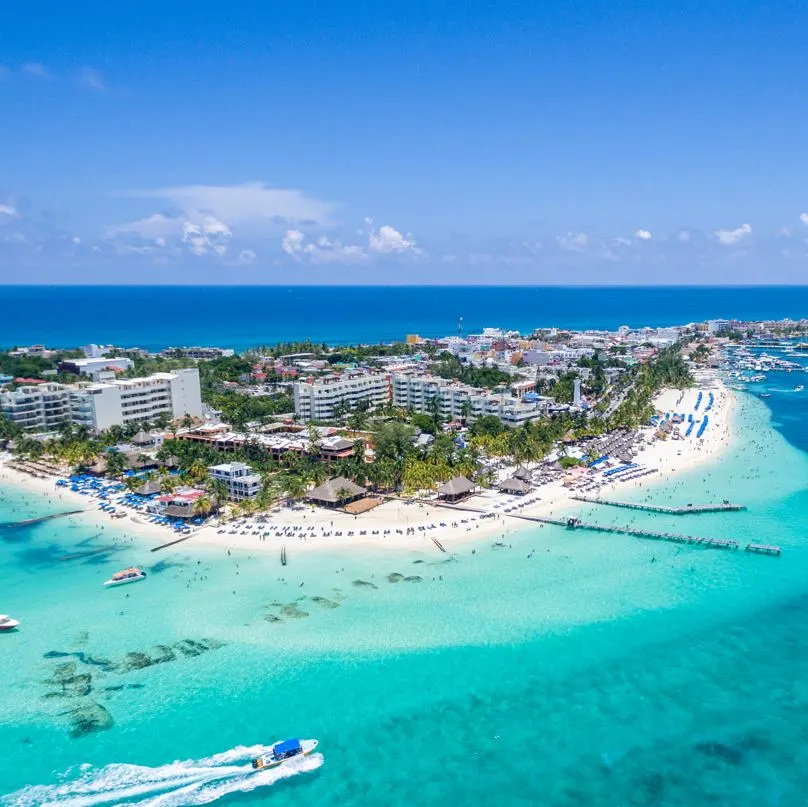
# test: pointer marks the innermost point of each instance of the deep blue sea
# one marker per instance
(155, 317)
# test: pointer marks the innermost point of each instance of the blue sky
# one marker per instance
(552, 142)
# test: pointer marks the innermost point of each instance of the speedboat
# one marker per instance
(799, 388)
(7, 623)
(130, 575)
(283, 751)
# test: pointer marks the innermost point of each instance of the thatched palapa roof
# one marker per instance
(148, 488)
(330, 491)
(142, 438)
(459, 486)
(514, 485)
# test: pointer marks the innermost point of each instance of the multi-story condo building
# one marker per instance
(318, 398)
(44, 407)
(241, 482)
(453, 400)
(37, 407)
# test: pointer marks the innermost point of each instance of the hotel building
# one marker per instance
(318, 398)
(44, 407)
(241, 482)
(456, 401)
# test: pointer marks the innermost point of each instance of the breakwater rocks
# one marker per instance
(77, 680)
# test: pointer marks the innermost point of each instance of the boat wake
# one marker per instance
(194, 781)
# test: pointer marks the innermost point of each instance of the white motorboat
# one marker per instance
(283, 751)
(799, 388)
(130, 575)
(7, 623)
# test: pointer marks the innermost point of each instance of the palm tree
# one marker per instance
(342, 494)
(465, 410)
(295, 486)
(218, 488)
(116, 463)
(198, 470)
(202, 506)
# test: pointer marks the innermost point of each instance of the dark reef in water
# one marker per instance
(364, 584)
(88, 718)
(67, 680)
(324, 602)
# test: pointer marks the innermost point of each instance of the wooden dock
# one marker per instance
(577, 524)
(764, 549)
(725, 507)
(692, 540)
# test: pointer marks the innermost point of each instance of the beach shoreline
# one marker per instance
(404, 525)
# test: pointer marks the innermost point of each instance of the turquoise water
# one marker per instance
(563, 669)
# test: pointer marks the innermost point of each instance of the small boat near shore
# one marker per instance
(7, 623)
(130, 575)
(283, 751)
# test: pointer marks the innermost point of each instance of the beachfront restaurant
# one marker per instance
(179, 504)
(514, 487)
(336, 492)
(455, 489)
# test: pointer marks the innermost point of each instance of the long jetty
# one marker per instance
(577, 524)
(725, 507)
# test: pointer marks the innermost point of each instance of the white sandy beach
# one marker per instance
(397, 524)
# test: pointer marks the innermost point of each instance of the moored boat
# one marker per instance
(7, 623)
(283, 751)
(130, 575)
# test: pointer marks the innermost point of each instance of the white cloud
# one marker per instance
(9, 210)
(246, 256)
(622, 241)
(250, 203)
(155, 226)
(574, 242)
(388, 239)
(643, 235)
(211, 236)
(804, 218)
(684, 236)
(91, 79)
(384, 241)
(729, 237)
(35, 69)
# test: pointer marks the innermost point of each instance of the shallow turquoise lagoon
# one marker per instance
(566, 668)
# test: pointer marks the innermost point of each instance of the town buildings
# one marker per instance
(44, 407)
(241, 482)
(95, 365)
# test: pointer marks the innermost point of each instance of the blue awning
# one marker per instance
(286, 746)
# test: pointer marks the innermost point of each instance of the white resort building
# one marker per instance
(456, 401)
(241, 482)
(318, 398)
(44, 407)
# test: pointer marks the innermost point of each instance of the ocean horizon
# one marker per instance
(240, 317)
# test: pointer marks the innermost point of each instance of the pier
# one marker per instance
(725, 507)
(576, 524)
(764, 549)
